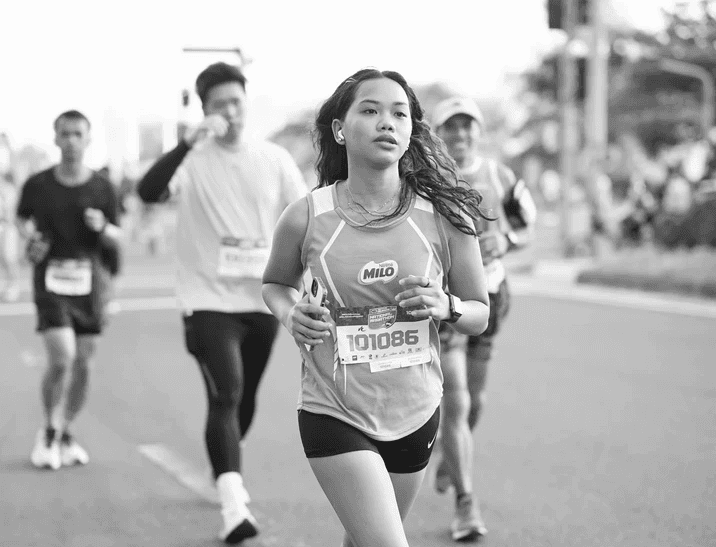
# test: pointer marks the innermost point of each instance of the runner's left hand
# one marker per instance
(423, 291)
(95, 219)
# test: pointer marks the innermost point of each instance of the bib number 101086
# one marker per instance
(384, 340)
(385, 336)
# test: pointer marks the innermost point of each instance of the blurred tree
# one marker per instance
(660, 107)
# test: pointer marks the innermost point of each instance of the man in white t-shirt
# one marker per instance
(230, 194)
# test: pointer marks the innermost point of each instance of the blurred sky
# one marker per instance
(121, 62)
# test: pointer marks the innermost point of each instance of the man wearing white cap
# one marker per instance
(460, 124)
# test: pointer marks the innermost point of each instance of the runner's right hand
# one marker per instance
(211, 125)
(303, 327)
(37, 248)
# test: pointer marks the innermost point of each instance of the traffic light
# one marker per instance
(555, 10)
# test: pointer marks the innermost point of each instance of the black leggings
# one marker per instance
(232, 350)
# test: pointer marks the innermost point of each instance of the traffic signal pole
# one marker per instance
(569, 133)
(597, 110)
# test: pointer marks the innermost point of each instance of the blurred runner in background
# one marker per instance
(460, 124)
(68, 214)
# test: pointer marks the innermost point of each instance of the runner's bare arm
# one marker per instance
(282, 278)
(465, 280)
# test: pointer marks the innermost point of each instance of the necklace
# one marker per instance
(383, 208)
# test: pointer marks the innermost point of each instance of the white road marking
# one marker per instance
(185, 472)
(189, 475)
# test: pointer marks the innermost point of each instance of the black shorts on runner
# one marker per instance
(323, 436)
(85, 314)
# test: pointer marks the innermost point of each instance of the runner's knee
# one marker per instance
(61, 349)
(56, 370)
(226, 398)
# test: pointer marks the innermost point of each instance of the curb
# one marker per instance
(587, 272)
(562, 271)
(647, 283)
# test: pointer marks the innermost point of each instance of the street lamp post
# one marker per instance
(597, 111)
(567, 85)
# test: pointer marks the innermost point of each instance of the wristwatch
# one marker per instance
(455, 308)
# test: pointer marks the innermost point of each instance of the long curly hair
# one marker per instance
(426, 167)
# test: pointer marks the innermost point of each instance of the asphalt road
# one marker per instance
(599, 430)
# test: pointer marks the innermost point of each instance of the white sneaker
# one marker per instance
(46, 452)
(240, 489)
(239, 524)
(468, 525)
(72, 453)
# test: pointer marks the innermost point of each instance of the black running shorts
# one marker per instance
(323, 436)
(85, 314)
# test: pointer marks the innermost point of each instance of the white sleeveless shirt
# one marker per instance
(380, 369)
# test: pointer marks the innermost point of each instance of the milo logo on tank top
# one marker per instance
(374, 272)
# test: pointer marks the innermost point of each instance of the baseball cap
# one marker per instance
(448, 108)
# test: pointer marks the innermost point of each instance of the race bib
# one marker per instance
(494, 276)
(242, 258)
(386, 337)
(69, 277)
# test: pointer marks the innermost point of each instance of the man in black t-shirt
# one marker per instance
(68, 214)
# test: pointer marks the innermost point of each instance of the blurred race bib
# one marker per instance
(242, 258)
(69, 277)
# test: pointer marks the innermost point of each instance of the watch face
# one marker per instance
(458, 305)
(455, 309)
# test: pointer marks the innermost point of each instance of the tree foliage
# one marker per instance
(660, 107)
